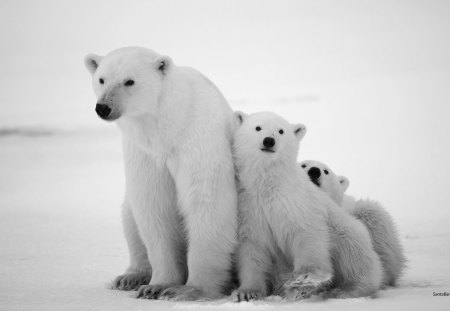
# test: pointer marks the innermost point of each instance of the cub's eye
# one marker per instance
(258, 128)
(101, 81)
(303, 165)
(326, 172)
(281, 132)
(129, 83)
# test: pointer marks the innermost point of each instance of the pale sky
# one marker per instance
(245, 47)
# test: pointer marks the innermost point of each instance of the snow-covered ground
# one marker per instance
(61, 237)
(370, 79)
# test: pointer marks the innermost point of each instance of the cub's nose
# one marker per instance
(102, 110)
(269, 142)
(314, 173)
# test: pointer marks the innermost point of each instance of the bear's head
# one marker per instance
(323, 177)
(127, 81)
(264, 137)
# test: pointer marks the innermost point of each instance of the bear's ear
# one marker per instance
(163, 64)
(239, 117)
(344, 183)
(91, 61)
(299, 131)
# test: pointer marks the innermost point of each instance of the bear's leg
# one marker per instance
(139, 271)
(384, 236)
(208, 202)
(153, 202)
(312, 265)
(359, 267)
(253, 265)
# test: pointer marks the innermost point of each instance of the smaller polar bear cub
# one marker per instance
(378, 221)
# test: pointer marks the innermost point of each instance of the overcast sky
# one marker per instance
(247, 48)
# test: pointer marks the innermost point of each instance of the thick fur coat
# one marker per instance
(180, 208)
(293, 239)
(377, 220)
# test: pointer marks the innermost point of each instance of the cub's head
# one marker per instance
(127, 81)
(323, 177)
(264, 137)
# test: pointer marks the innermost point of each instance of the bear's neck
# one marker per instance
(267, 177)
(142, 132)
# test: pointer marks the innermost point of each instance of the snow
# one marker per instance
(370, 79)
(61, 237)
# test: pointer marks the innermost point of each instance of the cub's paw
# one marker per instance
(240, 295)
(150, 291)
(130, 281)
(303, 285)
(183, 292)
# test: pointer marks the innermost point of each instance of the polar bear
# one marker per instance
(180, 207)
(293, 239)
(381, 226)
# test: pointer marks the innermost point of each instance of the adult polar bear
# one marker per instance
(180, 208)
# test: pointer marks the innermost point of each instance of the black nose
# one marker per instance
(102, 110)
(269, 142)
(314, 174)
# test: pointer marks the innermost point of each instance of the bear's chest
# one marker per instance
(281, 217)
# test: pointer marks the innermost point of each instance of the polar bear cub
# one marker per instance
(281, 229)
(378, 221)
(180, 207)
(293, 239)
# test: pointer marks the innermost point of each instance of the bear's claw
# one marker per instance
(130, 281)
(182, 292)
(246, 295)
(150, 291)
(306, 284)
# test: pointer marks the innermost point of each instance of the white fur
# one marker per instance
(283, 230)
(357, 267)
(377, 220)
(180, 207)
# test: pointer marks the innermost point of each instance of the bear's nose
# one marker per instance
(314, 173)
(102, 110)
(269, 142)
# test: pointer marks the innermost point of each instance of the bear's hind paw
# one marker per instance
(306, 284)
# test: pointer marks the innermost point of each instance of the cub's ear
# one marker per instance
(344, 183)
(239, 117)
(91, 61)
(163, 64)
(299, 131)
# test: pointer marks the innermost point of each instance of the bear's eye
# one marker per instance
(281, 132)
(303, 165)
(129, 83)
(326, 172)
(101, 81)
(258, 128)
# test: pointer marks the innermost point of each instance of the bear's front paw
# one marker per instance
(246, 295)
(303, 285)
(130, 281)
(150, 291)
(184, 292)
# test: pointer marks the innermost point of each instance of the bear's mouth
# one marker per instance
(267, 150)
(315, 181)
